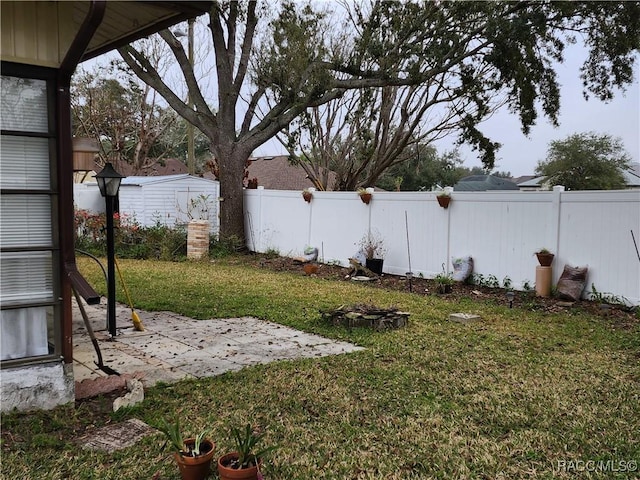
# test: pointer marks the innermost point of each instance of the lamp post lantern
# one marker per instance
(109, 184)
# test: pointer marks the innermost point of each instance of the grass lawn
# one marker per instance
(519, 395)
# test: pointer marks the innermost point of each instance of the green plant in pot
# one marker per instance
(243, 463)
(365, 194)
(444, 282)
(443, 196)
(373, 247)
(545, 257)
(193, 454)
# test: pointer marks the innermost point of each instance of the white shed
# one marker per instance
(168, 200)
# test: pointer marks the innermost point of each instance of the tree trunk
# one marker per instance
(232, 195)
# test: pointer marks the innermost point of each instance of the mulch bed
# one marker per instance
(619, 316)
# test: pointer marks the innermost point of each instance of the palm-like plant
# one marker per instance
(245, 442)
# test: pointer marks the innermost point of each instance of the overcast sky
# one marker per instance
(520, 155)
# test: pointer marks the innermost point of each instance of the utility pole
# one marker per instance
(191, 159)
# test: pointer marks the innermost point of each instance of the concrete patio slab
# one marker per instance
(174, 347)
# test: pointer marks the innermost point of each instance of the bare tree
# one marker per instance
(366, 132)
(125, 117)
(295, 63)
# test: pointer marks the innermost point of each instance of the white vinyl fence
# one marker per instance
(499, 230)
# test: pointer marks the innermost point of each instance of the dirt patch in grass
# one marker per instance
(619, 316)
(56, 427)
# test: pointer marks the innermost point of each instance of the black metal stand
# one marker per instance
(111, 271)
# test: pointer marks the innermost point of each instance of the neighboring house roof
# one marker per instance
(481, 183)
(632, 176)
(533, 182)
(170, 166)
(522, 179)
(276, 173)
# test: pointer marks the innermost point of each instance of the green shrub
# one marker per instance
(223, 247)
(131, 240)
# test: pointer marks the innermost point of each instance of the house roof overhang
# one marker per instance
(127, 21)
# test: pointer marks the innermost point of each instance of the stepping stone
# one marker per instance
(464, 317)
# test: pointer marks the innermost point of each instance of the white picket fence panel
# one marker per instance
(500, 230)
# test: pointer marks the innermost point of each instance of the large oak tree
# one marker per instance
(298, 58)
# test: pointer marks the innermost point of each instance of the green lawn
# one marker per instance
(511, 397)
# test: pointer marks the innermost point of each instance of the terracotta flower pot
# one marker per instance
(196, 468)
(443, 200)
(545, 259)
(310, 268)
(365, 197)
(228, 473)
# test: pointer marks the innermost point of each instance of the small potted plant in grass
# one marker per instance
(244, 463)
(545, 257)
(365, 194)
(193, 455)
(444, 282)
(372, 245)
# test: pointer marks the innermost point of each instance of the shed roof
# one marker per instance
(141, 181)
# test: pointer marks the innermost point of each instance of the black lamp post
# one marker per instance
(109, 184)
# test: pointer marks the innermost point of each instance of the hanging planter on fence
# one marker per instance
(307, 194)
(444, 200)
(365, 194)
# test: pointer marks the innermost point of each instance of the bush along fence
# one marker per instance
(500, 231)
(132, 240)
(160, 242)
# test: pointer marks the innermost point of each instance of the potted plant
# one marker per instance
(444, 282)
(244, 462)
(372, 245)
(310, 268)
(365, 194)
(545, 257)
(193, 455)
(444, 198)
(307, 194)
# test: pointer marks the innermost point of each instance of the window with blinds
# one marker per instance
(29, 315)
